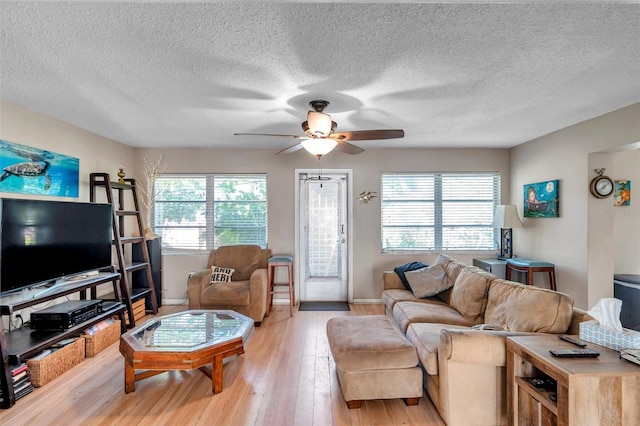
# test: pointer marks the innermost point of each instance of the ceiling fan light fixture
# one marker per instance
(319, 147)
(319, 124)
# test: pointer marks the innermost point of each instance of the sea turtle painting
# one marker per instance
(29, 169)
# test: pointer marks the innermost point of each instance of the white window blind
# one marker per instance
(202, 212)
(439, 211)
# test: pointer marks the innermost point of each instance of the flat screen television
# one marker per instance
(42, 241)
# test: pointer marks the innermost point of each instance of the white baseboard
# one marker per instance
(362, 301)
(284, 302)
(174, 302)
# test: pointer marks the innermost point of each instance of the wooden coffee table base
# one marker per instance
(156, 362)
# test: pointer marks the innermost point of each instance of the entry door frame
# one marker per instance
(299, 279)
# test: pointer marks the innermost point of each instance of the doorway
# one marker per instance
(323, 235)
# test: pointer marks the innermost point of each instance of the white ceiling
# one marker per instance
(188, 74)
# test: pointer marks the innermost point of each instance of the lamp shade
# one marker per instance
(319, 123)
(319, 147)
(506, 216)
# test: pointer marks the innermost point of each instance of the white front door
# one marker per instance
(323, 236)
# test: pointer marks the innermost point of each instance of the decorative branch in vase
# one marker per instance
(152, 170)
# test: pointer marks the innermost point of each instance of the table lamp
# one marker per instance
(506, 218)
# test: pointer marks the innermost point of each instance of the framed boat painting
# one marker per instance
(542, 199)
(28, 170)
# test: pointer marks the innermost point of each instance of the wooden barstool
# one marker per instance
(275, 261)
(529, 266)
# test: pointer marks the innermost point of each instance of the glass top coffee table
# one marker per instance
(184, 341)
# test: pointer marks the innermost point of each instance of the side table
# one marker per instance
(588, 391)
(495, 266)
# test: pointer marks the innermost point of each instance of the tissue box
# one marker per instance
(591, 331)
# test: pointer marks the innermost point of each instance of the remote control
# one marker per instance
(575, 353)
(542, 383)
(538, 383)
(576, 342)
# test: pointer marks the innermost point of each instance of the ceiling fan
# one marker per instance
(321, 138)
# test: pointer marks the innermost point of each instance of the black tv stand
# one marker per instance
(20, 344)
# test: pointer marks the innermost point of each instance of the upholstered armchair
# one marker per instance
(246, 293)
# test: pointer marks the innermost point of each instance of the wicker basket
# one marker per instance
(102, 339)
(138, 311)
(42, 371)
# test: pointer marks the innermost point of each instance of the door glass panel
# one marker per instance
(323, 229)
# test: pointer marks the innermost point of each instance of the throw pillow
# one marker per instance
(411, 266)
(469, 294)
(220, 275)
(429, 281)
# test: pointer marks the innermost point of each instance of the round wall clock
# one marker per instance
(601, 186)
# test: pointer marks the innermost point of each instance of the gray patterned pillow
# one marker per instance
(429, 281)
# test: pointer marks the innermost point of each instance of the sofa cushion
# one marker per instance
(428, 281)
(430, 310)
(425, 338)
(243, 258)
(392, 296)
(469, 293)
(407, 267)
(226, 294)
(453, 269)
(525, 308)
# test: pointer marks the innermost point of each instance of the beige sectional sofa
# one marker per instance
(465, 367)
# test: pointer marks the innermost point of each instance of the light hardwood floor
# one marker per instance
(285, 377)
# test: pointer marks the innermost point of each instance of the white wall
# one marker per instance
(368, 262)
(581, 241)
(96, 154)
(626, 165)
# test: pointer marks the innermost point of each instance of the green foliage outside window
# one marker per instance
(206, 211)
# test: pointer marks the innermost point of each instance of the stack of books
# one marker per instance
(99, 326)
(632, 355)
(20, 381)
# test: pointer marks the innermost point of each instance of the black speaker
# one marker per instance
(139, 278)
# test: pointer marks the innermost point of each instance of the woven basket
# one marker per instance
(102, 339)
(42, 371)
(138, 311)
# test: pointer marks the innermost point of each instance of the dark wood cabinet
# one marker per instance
(139, 279)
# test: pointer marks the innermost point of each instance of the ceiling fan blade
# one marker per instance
(270, 134)
(291, 149)
(348, 148)
(367, 135)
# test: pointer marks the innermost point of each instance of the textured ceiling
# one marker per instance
(187, 74)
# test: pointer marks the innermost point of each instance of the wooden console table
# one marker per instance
(589, 391)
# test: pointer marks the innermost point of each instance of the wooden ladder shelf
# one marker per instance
(128, 293)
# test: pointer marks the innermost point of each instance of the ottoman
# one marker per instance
(374, 360)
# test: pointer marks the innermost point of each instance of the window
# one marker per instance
(438, 211)
(203, 212)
